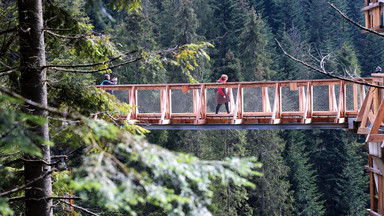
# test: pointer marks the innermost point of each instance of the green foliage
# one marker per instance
(187, 56)
(134, 172)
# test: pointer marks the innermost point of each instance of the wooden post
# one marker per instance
(332, 98)
(238, 112)
(340, 118)
(276, 116)
(133, 104)
(355, 105)
(201, 114)
(195, 100)
(265, 99)
(165, 97)
(308, 106)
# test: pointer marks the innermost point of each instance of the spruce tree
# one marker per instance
(302, 176)
(254, 52)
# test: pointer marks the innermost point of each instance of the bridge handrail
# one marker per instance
(272, 114)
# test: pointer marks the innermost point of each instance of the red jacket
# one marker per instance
(220, 90)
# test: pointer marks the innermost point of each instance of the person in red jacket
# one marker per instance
(222, 94)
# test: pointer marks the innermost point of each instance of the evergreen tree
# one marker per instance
(272, 196)
(228, 19)
(352, 181)
(302, 176)
(253, 44)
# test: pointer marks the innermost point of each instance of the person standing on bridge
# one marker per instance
(222, 94)
(108, 82)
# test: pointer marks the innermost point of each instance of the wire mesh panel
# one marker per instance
(349, 97)
(290, 99)
(253, 98)
(148, 101)
(182, 102)
(321, 97)
(122, 95)
(211, 100)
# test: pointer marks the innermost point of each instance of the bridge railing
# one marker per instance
(268, 102)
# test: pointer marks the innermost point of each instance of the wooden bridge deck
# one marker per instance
(299, 104)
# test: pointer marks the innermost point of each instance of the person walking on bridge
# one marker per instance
(222, 94)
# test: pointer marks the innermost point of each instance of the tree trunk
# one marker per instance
(33, 86)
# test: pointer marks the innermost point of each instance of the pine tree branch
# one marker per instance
(8, 71)
(98, 70)
(14, 199)
(26, 185)
(81, 208)
(325, 72)
(65, 36)
(93, 64)
(8, 30)
(38, 105)
(355, 23)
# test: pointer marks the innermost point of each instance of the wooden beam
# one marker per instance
(185, 89)
(371, 169)
(372, 213)
(378, 120)
(366, 105)
(293, 86)
(380, 191)
(372, 188)
(375, 138)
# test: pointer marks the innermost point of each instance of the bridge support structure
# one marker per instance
(369, 122)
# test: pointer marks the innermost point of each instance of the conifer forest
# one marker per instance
(57, 158)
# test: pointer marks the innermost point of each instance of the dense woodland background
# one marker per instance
(306, 172)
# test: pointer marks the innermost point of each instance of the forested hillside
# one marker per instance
(305, 172)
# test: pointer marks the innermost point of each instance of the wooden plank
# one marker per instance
(293, 86)
(365, 109)
(364, 130)
(185, 89)
(380, 191)
(372, 188)
(375, 138)
(372, 213)
(371, 169)
(378, 120)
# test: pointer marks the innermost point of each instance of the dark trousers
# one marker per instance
(219, 105)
